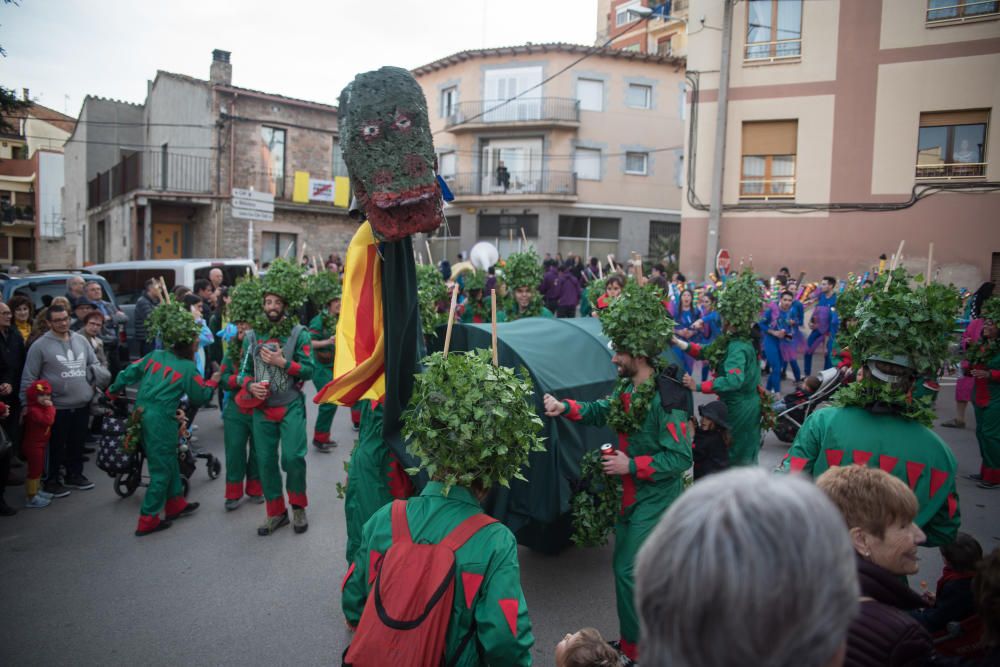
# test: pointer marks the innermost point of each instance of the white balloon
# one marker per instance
(484, 255)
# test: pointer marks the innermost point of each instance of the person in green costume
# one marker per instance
(281, 360)
(237, 421)
(654, 445)
(477, 308)
(983, 365)
(325, 292)
(876, 421)
(164, 376)
(734, 360)
(489, 623)
(523, 275)
(374, 476)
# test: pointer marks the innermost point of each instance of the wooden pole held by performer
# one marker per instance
(493, 305)
(930, 263)
(430, 257)
(451, 317)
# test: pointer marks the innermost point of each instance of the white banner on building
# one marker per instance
(320, 190)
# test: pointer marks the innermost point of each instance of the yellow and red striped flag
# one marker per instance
(359, 363)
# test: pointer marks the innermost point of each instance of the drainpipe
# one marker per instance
(719, 154)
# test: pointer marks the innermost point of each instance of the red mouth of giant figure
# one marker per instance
(405, 197)
(411, 211)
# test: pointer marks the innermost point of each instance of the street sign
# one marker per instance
(242, 193)
(250, 214)
(252, 205)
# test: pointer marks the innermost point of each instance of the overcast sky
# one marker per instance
(305, 49)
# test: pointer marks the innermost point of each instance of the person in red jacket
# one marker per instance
(38, 419)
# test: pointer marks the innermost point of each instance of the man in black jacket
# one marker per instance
(143, 307)
(11, 363)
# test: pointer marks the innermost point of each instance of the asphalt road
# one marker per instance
(78, 588)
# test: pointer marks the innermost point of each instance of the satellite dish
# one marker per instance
(484, 255)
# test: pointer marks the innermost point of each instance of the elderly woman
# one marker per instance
(703, 602)
(879, 510)
(24, 313)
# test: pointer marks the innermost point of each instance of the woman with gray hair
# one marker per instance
(746, 568)
(879, 510)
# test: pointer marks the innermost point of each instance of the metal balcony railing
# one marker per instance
(766, 189)
(522, 110)
(961, 10)
(520, 184)
(780, 49)
(151, 170)
(952, 171)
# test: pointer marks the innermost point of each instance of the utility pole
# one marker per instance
(719, 155)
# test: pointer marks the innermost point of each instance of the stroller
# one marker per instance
(125, 468)
(789, 419)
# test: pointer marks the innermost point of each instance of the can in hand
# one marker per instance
(266, 384)
(607, 449)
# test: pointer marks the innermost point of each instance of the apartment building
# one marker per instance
(623, 24)
(850, 125)
(156, 180)
(579, 149)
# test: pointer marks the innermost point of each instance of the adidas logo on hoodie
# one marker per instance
(74, 365)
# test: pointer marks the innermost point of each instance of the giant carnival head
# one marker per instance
(386, 141)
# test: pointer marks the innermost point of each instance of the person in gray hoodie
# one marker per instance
(68, 362)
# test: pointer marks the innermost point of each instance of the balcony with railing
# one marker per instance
(530, 185)
(161, 171)
(960, 11)
(951, 171)
(522, 112)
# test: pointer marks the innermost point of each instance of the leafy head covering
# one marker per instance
(523, 269)
(470, 421)
(323, 287)
(285, 279)
(431, 290)
(990, 310)
(173, 324)
(637, 323)
(847, 303)
(476, 280)
(741, 301)
(245, 299)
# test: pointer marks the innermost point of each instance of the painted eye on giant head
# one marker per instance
(402, 122)
(370, 131)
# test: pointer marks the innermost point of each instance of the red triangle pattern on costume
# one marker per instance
(167, 370)
(913, 471)
(862, 458)
(157, 366)
(798, 463)
(834, 457)
(509, 607)
(938, 478)
(952, 505)
(374, 563)
(887, 463)
(673, 431)
(148, 362)
(175, 377)
(684, 429)
(471, 583)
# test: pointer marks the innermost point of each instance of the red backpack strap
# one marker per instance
(400, 526)
(463, 531)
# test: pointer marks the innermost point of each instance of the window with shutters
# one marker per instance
(769, 149)
(952, 145)
(774, 30)
(587, 163)
(958, 11)
(590, 93)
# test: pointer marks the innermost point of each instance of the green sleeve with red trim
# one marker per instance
(594, 413)
(673, 456)
(734, 373)
(806, 447)
(230, 379)
(129, 375)
(300, 366)
(199, 390)
(497, 616)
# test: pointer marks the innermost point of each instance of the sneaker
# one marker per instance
(163, 525)
(233, 503)
(45, 494)
(188, 510)
(299, 522)
(79, 482)
(954, 423)
(56, 490)
(356, 427)
(988, 485)
(272, 524)
(256, 500)
(37, 502)
(325, 447)
(975, 477)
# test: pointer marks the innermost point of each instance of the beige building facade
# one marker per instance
(584, 158)
(850, 125)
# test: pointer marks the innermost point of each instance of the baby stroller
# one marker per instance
(126, 469)
(789, 419)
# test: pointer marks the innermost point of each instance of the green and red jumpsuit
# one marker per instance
(163, 379)
(374, 476)
(902, 447)
(660, 454)
(282, 419)
(237, 435)
(488, 596)
(736, 384)
(986, 404)
(322, 376)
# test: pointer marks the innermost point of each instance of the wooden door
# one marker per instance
(167, 238)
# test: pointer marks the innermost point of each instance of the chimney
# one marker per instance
(221, 71)
(25, 93)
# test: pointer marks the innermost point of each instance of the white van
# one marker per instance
(127, 279)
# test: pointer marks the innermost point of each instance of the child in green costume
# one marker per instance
(654, 443)
(164, 376)
(324, 288)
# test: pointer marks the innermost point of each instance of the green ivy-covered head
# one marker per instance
(323, 287)
(847, 304)
(245, 299)
(475, 281)
(431, 291)
(637, 323)
(471, 423)
(741, 301)
(386, 141)
(173, 324)
(286, 280)
(523, 269)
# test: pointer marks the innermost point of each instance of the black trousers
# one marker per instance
(66, 441)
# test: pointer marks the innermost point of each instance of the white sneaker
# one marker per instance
(37, 502)
(45, 494)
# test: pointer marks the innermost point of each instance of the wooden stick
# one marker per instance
(600, 271)
(611, 263)
(930, 263)
(895, 261)
(493, 299)
(430, 257)
(164, 291)
(524, 236)
(451, 317)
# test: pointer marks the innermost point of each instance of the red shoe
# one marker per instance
(189, 509)
(163, 525)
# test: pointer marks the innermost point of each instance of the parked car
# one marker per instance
(127, 280)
